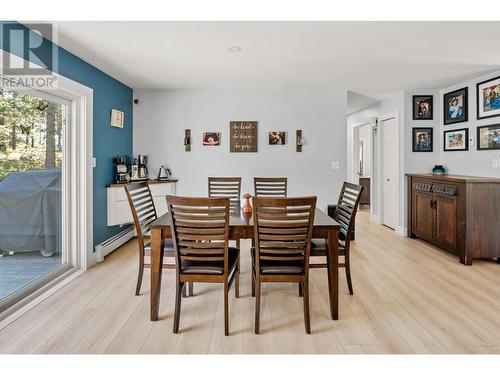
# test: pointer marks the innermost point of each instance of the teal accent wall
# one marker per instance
(108, 142)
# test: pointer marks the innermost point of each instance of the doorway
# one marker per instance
(389, 127)
(363, 160)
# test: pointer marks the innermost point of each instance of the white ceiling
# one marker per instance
(371, 59)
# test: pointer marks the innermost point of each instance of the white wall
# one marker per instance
(472, 162)
(161, 117)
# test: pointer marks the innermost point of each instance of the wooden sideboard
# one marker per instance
(458, 213)
(119, 209)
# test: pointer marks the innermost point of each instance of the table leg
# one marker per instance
(157, 243)
(333, 272)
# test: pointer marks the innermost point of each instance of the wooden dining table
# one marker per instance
(241, 227)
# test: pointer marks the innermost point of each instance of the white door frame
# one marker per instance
(385, 117)
(355, 151)
(78, 184)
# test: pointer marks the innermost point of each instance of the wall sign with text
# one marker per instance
(243, 136)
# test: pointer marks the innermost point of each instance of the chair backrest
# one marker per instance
(229, 187)
(142, 206)
(347, 206)
(200, 230)
(283, 229)
(270, 186)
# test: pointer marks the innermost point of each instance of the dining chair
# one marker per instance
(283, 229)
(226, 187)
(143, 210)
(345, 214)
(270, 186)
(200, 232)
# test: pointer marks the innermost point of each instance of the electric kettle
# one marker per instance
(164, 173)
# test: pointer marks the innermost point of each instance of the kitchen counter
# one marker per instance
(169, 181)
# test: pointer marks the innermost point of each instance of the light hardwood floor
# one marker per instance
(409, 297)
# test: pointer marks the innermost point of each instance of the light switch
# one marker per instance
(495, 163)
(471, 141)
(335, 164)
(94, 162)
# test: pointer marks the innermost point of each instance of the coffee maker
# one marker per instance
(139, 169)
(121, 175)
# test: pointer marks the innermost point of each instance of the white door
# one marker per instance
(390, 171)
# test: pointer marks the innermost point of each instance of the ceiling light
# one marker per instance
(234, 49)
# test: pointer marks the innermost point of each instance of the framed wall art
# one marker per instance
(277, 138)
(455, 106)
(488, 98)
(117, 118)
(211, 139)
(422, 107)
(422, 139)
(488, 137)
(243, 136)
(456, 140)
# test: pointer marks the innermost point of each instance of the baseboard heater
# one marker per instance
(111, 244)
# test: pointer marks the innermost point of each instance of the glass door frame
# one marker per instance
(77, 188)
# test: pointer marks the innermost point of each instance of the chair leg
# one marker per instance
(301, 293)
(237, 279)
(139, 276)
(185, 290)
(226, 309)
(348, 272)
(191, 285)
(177, 310)
(307, 319)
(257, 306)
(253, 283)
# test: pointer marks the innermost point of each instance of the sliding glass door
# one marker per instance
(32, 192)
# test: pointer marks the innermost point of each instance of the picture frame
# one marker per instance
(422, 139)
(455, 106)
(211, 139)
(456, 140)
(488, 98)
(243, 136)
(277, 138)
(117, 118)
(423, 108)
(488, 137)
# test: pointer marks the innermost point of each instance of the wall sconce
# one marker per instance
(187, 140)
(300, 141)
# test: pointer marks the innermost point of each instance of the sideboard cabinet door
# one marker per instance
(423, 215)
(446, 222)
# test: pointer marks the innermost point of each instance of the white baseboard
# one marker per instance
(402, 231)
(113, 243)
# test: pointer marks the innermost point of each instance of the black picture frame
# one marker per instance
(465, 107)
(466, 130)
(415, 145)
(479, 96)
(415, 99)
(478, 137)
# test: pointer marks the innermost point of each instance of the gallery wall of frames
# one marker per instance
(455, 111)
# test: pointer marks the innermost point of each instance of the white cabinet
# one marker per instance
(118, 207)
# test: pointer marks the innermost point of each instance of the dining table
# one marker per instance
(241, 227)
